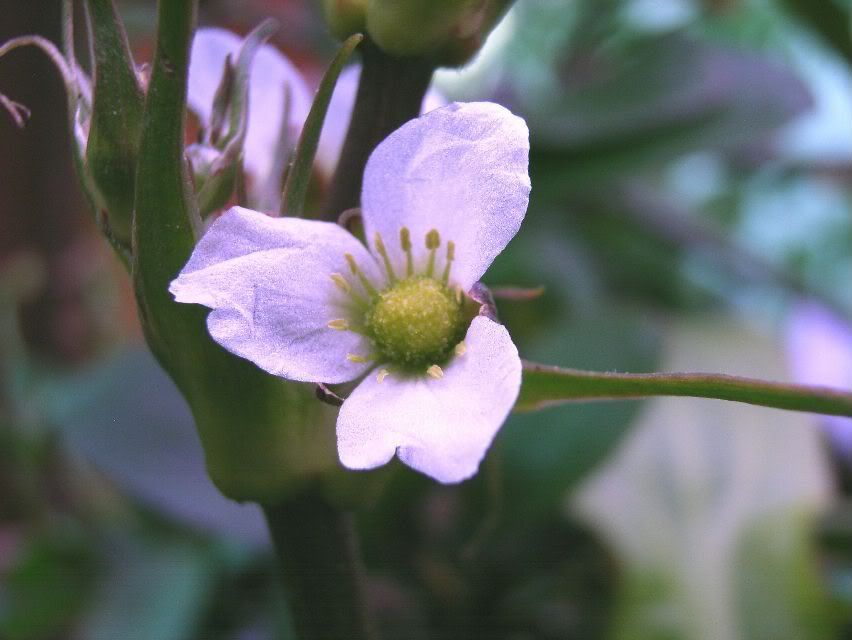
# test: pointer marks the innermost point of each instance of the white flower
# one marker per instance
(273, 75)
(819, 349)
(442, 196)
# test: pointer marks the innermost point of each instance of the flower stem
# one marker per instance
(390, 93)
(317, 550)
(546, 386)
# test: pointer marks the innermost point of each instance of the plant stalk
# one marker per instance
(390, 93)
(320, 566)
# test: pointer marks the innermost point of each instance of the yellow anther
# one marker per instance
(340, 324)
(356, 271)
(380, 247)
(460, 349)
(380, 377)
(459, 294)
(341, 282)
(451, 255)
(433, 241)
(354, 357)
(405, 243)
(435, 372)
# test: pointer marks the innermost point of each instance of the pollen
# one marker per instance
(435, 372)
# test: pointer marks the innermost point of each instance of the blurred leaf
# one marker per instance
(710, 507)
(828, 19)
(128, 419)
(618, 109)
(43, 592)
(156, 592)
(542, 454)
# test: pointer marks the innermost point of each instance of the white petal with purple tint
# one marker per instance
(268, 283)
(461, 169)
(439, 427)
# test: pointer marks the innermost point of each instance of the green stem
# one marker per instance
(320, 566)
(390, 93)
(545, 386)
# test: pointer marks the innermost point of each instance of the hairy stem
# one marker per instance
(546, 386)
(390, 93)
(320, 566)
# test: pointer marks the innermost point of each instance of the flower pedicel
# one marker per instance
(442, 196)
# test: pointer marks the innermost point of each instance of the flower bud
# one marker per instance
(345, 17)
(448, 32)
(214, 175)
(116, 123)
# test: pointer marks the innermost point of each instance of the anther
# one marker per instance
(380, 247)
(435, 372)
(433, 241)
(451, 255)
(459, 294)
(380, 378)
(405, 243)
(341, 282)
(460, 349)
(356, 271)
(354, 357)
(340, 324)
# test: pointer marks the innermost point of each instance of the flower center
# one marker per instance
(416, 322)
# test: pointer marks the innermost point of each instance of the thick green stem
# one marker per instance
(390, 93)
(318, 553)
(545, 386)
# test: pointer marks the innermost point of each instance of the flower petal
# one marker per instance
(340, 113)
(461, 169)
(439, 427)
(268, 283)
(271, 73)
(819, 347)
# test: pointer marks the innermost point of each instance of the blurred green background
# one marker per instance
(691, 166)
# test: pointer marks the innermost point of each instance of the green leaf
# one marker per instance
(296, 187)
(710, 509)
(160, 592)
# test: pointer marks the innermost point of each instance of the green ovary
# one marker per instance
(416, 323)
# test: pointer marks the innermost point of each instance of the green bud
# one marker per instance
(345, 17)
(450, 32)
(214, 175)
(116, 124)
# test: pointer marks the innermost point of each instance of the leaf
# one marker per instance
(542, 454)
(152, 592)
(128, 419)
(296, 187)
(710, 508)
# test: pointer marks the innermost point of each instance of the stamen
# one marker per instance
(451, 255)
(433, 241)
(460, 349)
(405, 243)
(383, 373)
(435, 372)
(459, 294)
(353, 266)
(341, 282)
(354, 357)
(380, 247)
(340, 324)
